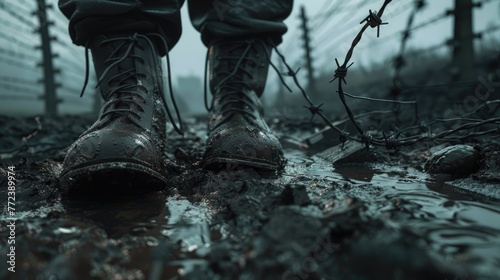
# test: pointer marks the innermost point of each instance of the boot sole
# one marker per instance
(112, 178)
(259, 166)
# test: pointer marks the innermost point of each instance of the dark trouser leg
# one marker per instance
(222, 19)
(89, 18)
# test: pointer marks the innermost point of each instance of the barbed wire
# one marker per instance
(448, 85)
(320, 20)
(25, 82)
(68, 46)
(72, 63)
(12, 53)
(69, 90)
(401, 34)
(57, 26)
(14, 26)
(16, 15)
(328, 45)
(26, 2)
(488, 30)
(59, 16)
(389, 141)
(18, 64)
(20, 8)
(434, 47)
(431, 21)
(19, 97)
(319, 16)
(13, 39)
(19, 18)
(73, 72)
(397, 84)
(399, 61)
(486, 2)
(348, 19)
(17, 88)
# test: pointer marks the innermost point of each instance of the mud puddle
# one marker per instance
(376, 219)
(458, 226)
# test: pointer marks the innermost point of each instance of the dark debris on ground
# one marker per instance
(231, 224)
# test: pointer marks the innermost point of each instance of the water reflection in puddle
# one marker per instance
(187, 224)
(460, 227)
(140, 216)
(457, 226)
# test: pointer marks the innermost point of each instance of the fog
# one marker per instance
(329, 40)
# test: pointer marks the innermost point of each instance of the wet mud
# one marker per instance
(380, 216)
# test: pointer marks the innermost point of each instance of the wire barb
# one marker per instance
(314, 110)
(391, 142)
(341, 72)
(343, 137)
(366, 139)
(291, 73)
(374, 20)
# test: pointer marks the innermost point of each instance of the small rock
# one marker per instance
(490, 164)
(458, 160)
(295, 194)
(351, 151)
(300, 196)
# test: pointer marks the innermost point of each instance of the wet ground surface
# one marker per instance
(378, 216)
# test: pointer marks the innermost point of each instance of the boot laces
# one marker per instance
(231, 88)
(121, 99)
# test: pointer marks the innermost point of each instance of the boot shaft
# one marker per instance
(129, 74)
(126, 60)
(245, 62)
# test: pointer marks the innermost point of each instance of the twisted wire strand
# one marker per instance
(398, 138)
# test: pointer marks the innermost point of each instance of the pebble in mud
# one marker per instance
(490, 164)
(311, 222)
(457, 160)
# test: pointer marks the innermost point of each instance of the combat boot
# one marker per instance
(123, 150)
(237, 132)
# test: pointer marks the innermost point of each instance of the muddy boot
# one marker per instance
(123, 149)
(238, 134)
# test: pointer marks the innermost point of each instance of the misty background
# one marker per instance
(333, 25)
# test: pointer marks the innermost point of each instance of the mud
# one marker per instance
(382, 217)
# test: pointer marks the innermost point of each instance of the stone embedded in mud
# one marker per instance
(490, 164)
(295, 194)
(458, 160)
(351, 151)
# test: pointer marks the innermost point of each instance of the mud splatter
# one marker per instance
(381, 218)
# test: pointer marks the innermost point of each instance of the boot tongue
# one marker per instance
(120, 74)
(228, 57)
(132, 82)
(251, 74)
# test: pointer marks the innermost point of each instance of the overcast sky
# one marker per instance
(330, 40)
(188, 56)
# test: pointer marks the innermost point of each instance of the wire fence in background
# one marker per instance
(21, 60)
(420, 131)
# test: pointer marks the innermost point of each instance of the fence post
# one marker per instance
(463, 65)
(47, 63)
(307, 48)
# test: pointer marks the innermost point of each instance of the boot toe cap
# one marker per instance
(246, 146)
(113, 161)
(112, 145)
